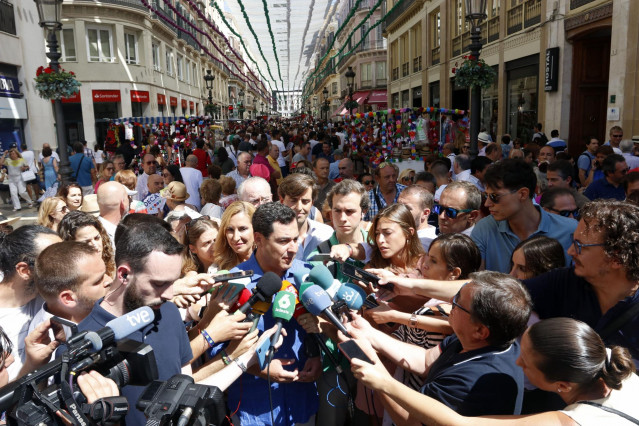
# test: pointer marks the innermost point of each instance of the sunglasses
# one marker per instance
(496, 198)
(617, 136)
(567, 213)
(578, 245)
(466, 146)
(450, 212)
(367, 182)
(457, 305)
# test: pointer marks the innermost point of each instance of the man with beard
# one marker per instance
(148, 260)
(70, 276)
(18, 298)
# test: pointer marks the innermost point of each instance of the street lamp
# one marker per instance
(50, 17)
(262, 108)
(208, 81)
(475, 13)
(241, 107)
(325, 106)
(315, 103)
(350, 81)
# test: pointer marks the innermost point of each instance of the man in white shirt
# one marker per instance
(113, 202)
(298, 191)
(461, 167)
(19, 300)
(420, 202)
(242, 172)
(149, 167)
(627, 146)
(192, 180)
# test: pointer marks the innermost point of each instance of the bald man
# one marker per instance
(113, 202)
(149, 166)
(346, 170)
(192, 179)
(154, 202)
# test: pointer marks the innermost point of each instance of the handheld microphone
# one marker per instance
(283, 308)
(300, 276)
(322, 276)
(318, 302)
(264, 290)
(352, 295)
(245, 295)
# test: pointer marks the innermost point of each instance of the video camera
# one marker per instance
(127, 362)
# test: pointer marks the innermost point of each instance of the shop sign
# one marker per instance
(192, 106)
(106, 96)
(173, 101)
(183, 103)
(161, 99)
(139, 96)
(551, 71)
(73, 99)
(9, 87)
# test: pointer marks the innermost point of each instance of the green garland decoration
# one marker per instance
(365, 34)
(217, 8)
(337, 33)
(473, 72)
(270, 31)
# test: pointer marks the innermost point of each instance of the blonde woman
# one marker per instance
(15, 166)
(52, 210)
(235, 244)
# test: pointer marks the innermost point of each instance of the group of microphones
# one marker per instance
(319, 294)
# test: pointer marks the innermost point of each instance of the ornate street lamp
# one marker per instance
(475, 13)
(325, 106)
(50, 18)
(241, 106)
(350, 82)
(208, 81)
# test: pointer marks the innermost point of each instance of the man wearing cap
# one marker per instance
(192, 180)
(113, 202)
(483, 139)
(154, 202)
(149, 167)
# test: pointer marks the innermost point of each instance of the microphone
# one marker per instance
(318, 302)
(300, 276)
(245, 295)
(264, 290)
(283, 308)
(352, 295)
(322, 276)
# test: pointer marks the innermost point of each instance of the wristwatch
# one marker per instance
(412, 322)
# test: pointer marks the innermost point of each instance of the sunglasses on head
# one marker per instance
(450, 212)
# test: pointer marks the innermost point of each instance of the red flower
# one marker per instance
(472, 58)
(39, 71)
(48, 70)
(454, 70)
(72, 73)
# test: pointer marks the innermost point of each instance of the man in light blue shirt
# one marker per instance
(510, 187)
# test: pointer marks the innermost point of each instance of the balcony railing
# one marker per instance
(524, 15)
(366, 84)
(493, 29)
(417, 64)
(372, 45)
(405, 69)
(434, 56)
(7, 18)
(398, 12)
(381, 82)
(457, 45)
(395, 73)
(128, 3)
(574, 4)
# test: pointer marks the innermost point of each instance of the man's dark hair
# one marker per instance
(20, 246)
(296, 184)
(312, 135)
(261, 146)
(563, 167)
(554, 133)
(501, 303)
(78, 147)
(511, 174)
(631, 177)
(538, 126)
(618, 221)
(440, 167)
(47, 151)
(479, 164)
(549, 196)
(492, 147)
(134, 219)
(426, 177)
(609, 164)
(56, 268)
(199, 143)
(137, 242)
(505, 139)
(350, 186)
(269, 213)
(463, 161)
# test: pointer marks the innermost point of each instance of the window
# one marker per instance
(437, 28)
(366, 72)
(155, 48)
(363, 36)
(68, 45)
(169, 61)
(188, 71)
(194, 74)
(180, 68)
(131, 47)
(334, 88)
(99, 44)
(380, 70)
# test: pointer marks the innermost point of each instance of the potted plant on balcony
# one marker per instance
(55, 85)
(474, 72)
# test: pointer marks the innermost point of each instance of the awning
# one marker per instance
(360, 97)
(378, 97)
(147, 120)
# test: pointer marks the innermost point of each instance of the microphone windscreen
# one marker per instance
(245, 295)
(260, 308)
(284, 305)
(305, 286)
(300, 276)
(321, 276)
(131, 322)
(95, 340)
(268, 285)
(316, 300)
(352, 295)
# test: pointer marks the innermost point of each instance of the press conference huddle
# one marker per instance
(279, 277)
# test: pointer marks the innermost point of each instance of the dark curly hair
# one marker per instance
(619, 223)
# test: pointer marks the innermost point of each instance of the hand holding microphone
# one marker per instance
(318, 302)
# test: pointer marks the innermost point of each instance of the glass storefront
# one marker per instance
(417, 97)
(522, 97)
(490, 107)
(433, 94)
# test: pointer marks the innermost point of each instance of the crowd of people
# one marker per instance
(507, 284)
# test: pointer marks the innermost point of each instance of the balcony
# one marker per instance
(493, 29)
(417, 64)
(406, 4)
(374, 45)
(524, 15)
(405, 69)
(7, 18)
(127, 3)
(574, 4)
(395, 73)
(366, 84)
(434, 56)
(381, 82)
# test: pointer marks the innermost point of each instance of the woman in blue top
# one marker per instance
(50, 167)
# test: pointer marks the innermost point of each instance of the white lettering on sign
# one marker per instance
(142, 317)
(7, 85)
